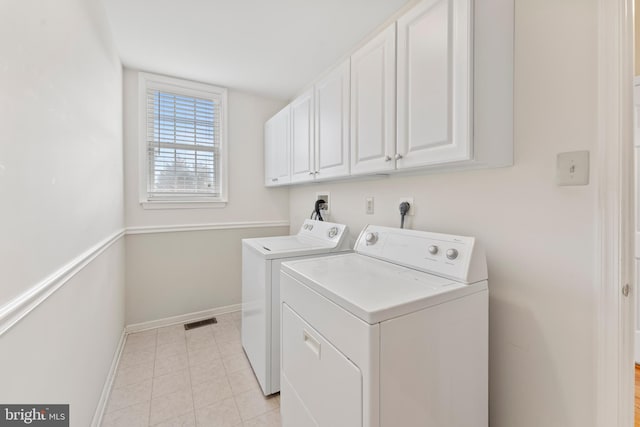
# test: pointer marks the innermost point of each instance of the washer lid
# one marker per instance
(288, 246)
(375, 290)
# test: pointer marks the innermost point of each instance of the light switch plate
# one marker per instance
(572, 168)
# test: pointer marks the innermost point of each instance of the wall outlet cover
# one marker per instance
(324, 195)
(410, 201)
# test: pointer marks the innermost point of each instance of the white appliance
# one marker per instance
(261, 260)
(394, 334)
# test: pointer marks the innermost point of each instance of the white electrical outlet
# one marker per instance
(324, 195)
(369, 205)
(573, 168)
(410, 201)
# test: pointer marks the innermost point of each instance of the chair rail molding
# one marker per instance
(17, 308)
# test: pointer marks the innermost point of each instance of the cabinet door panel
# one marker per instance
(434, 83)
(302, 144)
(277, 149)
(332, 124)
(373, 105)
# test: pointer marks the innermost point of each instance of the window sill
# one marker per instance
(182, 204)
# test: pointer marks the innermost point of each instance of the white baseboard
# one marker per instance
(106, 390)
(183, 318)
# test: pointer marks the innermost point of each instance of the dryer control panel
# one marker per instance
(455, 257)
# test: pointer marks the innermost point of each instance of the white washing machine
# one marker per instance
(394, 334)
(261, 260)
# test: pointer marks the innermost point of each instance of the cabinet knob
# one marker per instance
(311, 173)
(274, 179)
(317, 172)
(387, 158)
(398, 156)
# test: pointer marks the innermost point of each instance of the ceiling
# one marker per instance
(271, 47)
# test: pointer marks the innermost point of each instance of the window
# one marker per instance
(182, 143)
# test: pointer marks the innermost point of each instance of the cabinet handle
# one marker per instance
(398, 156)
(387, 158)
(311, 173)
(317, 171)
(274, 179)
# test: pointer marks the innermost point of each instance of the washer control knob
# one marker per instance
(452, 253)
(310, 227)
(332, 232)
(306, 226)
(433, 249)
(371, 238)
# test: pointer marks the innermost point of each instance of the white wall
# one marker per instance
(182, 272)
(540, 238)
(61, 188)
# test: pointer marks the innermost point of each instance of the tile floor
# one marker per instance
(172, 377)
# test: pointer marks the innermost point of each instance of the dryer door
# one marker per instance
(320, 386)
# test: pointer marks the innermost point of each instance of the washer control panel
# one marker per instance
(322, 230)
(455, 257)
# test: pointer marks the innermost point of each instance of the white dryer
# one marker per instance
(261, 260)
(395, 334)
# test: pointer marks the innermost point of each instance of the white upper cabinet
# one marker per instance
(277, 149)
(434, 84)
(302, 138)
(373, 105)
(332, 124)
(433, 91)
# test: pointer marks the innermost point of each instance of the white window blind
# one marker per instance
(183, 144)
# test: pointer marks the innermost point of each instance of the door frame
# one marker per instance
(614, 257)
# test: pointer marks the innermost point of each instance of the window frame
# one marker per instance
(186, 88)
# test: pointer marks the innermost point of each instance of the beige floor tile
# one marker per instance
(253, 403)
(206, 393)
(207, 354)
(209, 371)
(170, 383)
(136, 357)
(129, 395)
(171, 334)
(229, 348)
(186, 420)
(242, 381)
(169, 349)
(221, 414)
(167, 364)
(131, 416)
(133, 374)
(140, 340)
(236, 363)
(270, 419)
(170, 406)
(203, 331)
(228, 334)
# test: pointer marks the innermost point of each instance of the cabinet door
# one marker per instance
(302, 148)
(434, 83)
(332, 124)
(373, 104)
(277, 149)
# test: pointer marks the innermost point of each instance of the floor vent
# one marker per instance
(200, 323)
